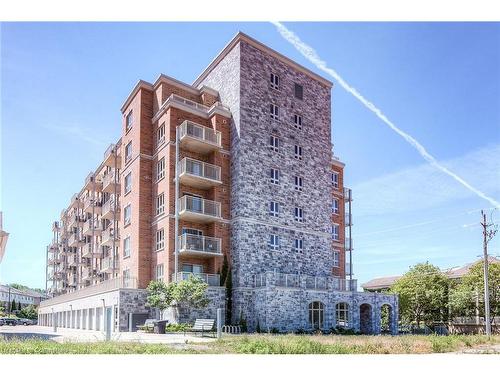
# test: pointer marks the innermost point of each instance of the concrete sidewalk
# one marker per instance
(79, 335)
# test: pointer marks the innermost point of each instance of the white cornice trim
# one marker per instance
(140, 85)
(254, 43)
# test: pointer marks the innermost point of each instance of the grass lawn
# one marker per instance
(263, 344)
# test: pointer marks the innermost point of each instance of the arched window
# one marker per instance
(342, 314)
(316, 313)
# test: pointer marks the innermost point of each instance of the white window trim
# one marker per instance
(160, 243)
(125, 221)
(273, 78)
(276, 206)
(336, 259)
(336, 236)
(298, 152)
(298, 183)
(276, 243)
(160, 208)
(335, 183)
(275, 143)
(297, 121)
(272, 112)
(275, 180)
(298, 213)
(160, 174)
(335, 207)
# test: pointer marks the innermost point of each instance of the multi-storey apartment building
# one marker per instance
(237, 165)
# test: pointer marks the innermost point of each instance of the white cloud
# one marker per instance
(425, 187)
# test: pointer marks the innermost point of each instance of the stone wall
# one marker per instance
(131, 301)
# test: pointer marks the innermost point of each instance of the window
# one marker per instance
(298, 183)
(299, 91)
(335, 179)
(160, 169)
(160, 135)
(128, 183)
(127, 212)
(275, 176)
(274, 208)
(126, 278)
(335, 206)
(336, 259)
(274, 241)
(159, 272)
(126, 247)
(129, 121)
(297, 121)
(160, 239)
(299, 245)
(342, 314)
(274, 143)
(316, 314)
(160, 204)
(274, 111)
(192, 268)
(299, 214)
(298, 152)
(275, 81)
(335, 232)
(128, 152)
(195, 232)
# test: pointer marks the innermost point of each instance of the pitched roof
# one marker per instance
(381, 282)
(458, 272)
(452, 273)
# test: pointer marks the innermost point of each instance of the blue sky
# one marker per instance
(62, 85)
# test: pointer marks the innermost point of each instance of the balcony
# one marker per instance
(92, 205)
(347, 195)
(190, 244)
(349, 243)
(348, 220)
(74, 220)
(89, 229)
(108, 236)
(112, 156)
(107, 265)
(54, 259)
(72, 260)
(53, 248)
(208, 278)
(87, 274)
(74, 201)
(199, 174)
(199, 210)
(74, 239)
(348, 269)
(58, 274)
(72, 281)
(110, 182)
(93, 183)
(109, 210)
(199, 138)
(88, 253)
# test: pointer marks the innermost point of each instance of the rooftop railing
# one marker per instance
(102, 287)
(303, 281)
(204, 244)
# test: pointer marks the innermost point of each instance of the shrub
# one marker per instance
(177, 327)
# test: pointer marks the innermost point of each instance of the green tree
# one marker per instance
(28, 312)
(160, 295)
(19, 306)
(2, 310)
(13, 306)
(224, 270)
(190, 293)
(468, 295)
(229, 296)
(423, 294)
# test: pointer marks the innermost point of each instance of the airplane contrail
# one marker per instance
(310, 54)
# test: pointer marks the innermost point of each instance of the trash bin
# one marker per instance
(160, 326)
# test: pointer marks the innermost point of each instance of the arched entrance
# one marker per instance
(386, 321)
(342, 316)
(316, 314)
(365, 319)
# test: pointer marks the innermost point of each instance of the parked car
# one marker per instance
(25, 322)
(9, 321)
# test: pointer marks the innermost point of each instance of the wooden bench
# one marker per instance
(203, 325)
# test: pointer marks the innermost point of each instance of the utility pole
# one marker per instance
(488, 234)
